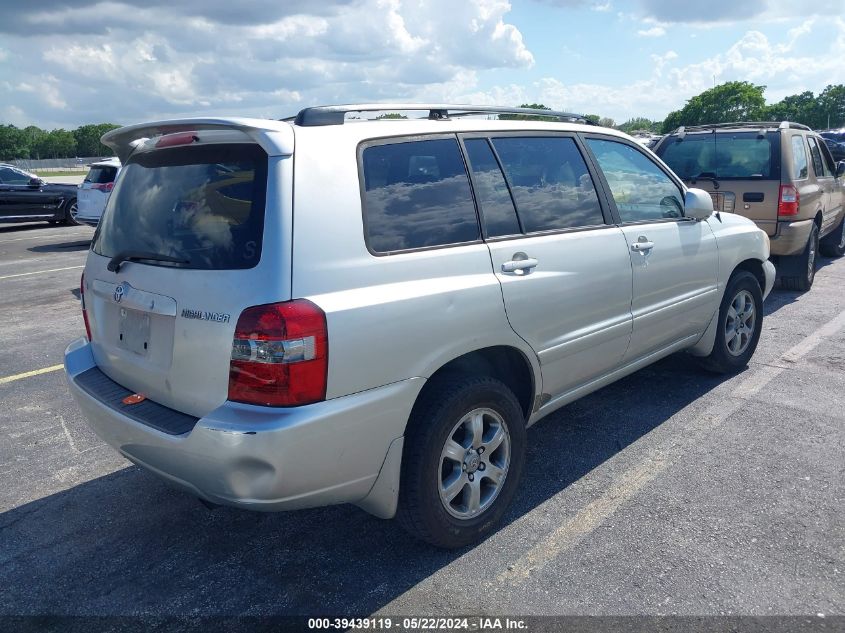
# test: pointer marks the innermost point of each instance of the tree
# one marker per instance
(391, 115)
(88, 139)
(730, 102)
(607, 122)
(12, 143)
(640, 124)
(831, 106)
(800, 108)
(526, 117)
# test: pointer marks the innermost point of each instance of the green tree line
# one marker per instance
(34, 143)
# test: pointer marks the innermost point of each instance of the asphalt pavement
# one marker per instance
(673, 491)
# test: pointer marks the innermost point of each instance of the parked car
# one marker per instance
(837, 149)
(781, 175)
(94, 191)
(381, 324)
(25, 197)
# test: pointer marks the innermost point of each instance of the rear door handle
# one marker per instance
(642, 247)
(521, 264)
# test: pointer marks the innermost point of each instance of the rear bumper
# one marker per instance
(791, 237)
(265, 458)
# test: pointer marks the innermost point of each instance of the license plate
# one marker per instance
(134, 331)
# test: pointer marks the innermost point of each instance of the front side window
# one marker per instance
(818, 165)
(203, 205)
(551, 185)
(417, 195)
(800, 170)
(11, 176)
(642, 191)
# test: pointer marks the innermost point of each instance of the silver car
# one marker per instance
(286, 314)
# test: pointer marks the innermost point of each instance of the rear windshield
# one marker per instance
(740, 155)
(202, 204)
(101, 174)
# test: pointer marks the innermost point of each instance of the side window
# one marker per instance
(641, 190)
(818, 166)
(800, 170)
(827, 159)
(417, 194)
(550, 183)
(491, 190)
(11, 176)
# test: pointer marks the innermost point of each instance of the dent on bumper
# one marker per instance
(266, 458)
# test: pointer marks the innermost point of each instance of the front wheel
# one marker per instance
(739, 325)
(463, 457)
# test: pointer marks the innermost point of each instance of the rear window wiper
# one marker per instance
(135, 256)
(706, 175)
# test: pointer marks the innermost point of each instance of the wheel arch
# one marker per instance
(505, 363)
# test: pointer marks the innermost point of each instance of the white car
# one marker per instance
(95, 190)
(288, 314)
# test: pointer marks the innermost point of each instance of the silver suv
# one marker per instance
(285, 314)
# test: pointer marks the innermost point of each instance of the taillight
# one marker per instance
(789, 200)
(84, 311)
(103, 186)
(280, 355)
(177, 138)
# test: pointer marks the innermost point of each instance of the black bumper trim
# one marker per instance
(102, 388)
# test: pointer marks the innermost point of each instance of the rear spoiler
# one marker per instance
(275, 137)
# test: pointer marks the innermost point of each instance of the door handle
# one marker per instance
(642, 246)
(521, 264)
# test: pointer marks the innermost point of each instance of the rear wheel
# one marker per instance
(739, 326)
(463, 457)
(833, 244)
(801, 269)
(70, 212)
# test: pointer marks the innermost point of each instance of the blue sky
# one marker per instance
(64, 63)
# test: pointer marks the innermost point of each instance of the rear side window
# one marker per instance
(13, 176)
(492, 192)
(551, 185)
(720, 155)
(101, 174)
(800, 169)
(201, 204)
(417, 195)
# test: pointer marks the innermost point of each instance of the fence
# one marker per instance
(55, 164)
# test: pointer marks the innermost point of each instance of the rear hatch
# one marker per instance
(740, 170)
(95, 189)
(179, 254)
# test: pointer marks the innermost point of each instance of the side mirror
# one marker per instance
(698, 204)
(840, 169)
(35, 183)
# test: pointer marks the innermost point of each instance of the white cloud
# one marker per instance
(655, 31)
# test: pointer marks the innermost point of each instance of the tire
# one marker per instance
(70, 212)
(803, 266)
(742, 304)
(833, 244)
(445, 418)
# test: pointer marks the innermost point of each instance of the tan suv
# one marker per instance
(781, 175)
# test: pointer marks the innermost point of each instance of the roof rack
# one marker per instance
(742, 124)
(336, 114)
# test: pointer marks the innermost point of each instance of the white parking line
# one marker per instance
(636, 478)
(41, 272)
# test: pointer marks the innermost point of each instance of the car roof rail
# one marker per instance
(741, 124)
(336, 114)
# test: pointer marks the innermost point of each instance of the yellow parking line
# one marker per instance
(29, 374)
(39, 272)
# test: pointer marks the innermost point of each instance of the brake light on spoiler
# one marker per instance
(280, 355)
(178, 138)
